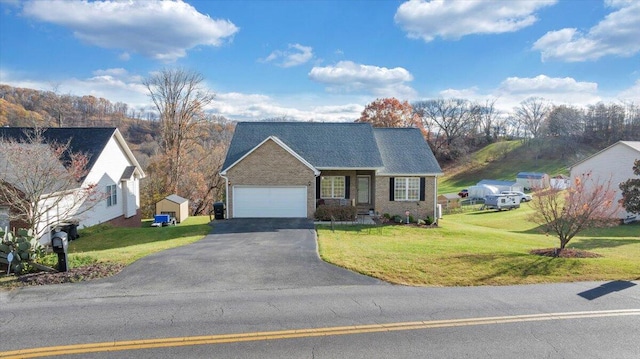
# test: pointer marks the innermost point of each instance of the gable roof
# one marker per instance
(323, 145)
(531, 175)
(278, 142)
(176, 199)
(390, 151)
(635, 145)
(88, 140)
(404, 151)
(498, 183)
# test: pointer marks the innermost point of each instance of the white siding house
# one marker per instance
(111, 167)
(613, 163)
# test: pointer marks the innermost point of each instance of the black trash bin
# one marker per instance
(218, 210)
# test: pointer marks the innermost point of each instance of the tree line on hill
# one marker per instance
(455, 127)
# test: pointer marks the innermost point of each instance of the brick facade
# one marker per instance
(271, 165)
(418, 209)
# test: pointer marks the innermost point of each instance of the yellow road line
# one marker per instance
(299, 333)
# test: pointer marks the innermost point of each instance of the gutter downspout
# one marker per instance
(226, 194)
(435, 200)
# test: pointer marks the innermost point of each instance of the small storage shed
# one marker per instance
(174, 206)
(531, 180)
(449, 200)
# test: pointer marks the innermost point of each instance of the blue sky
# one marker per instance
(325, 60)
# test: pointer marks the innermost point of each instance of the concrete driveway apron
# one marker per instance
(242, 254)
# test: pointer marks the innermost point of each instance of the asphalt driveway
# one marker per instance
(242, 254)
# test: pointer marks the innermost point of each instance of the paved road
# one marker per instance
(300, 292)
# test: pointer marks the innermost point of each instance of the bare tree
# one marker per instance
(588, 203)
(42, 182)
(453, 118)
(531, 115)
(489, 122)
(180, 97)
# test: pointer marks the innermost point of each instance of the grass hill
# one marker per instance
(502, 161)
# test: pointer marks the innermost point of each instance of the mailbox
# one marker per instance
(60, 244)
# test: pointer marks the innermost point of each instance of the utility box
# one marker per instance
(219, 210)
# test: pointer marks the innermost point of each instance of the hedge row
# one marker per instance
(339, 213)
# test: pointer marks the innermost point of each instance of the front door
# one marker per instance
(364, 189)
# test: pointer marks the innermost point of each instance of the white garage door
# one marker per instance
(269, 202)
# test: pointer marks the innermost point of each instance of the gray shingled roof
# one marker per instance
(404, 151)
(88, 140)
(341, 145)
(323, 145)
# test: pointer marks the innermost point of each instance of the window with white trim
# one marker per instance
(112, 197)
(407, 189)
(332, 187)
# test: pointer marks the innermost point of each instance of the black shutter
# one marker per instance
(347, 186)
(422, 182)
(318, 187)
(392, 188)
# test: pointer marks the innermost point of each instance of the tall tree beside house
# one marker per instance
(389, 112)
(631, 191)
(180, 97)
(41, 182)
(588, 203)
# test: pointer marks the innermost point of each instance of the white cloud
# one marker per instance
(631, 94)
(347, 76)
(618, 34)
(557, 90)
(252, 107)
(163, 30)
(294, 56)
(454, 19)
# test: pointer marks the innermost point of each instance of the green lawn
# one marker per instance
(479, 248)
(104, 243)
(499, 161)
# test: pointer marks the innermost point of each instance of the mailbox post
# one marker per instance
(60, 244)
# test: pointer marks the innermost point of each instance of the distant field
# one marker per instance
(500, 161)
(479, 248)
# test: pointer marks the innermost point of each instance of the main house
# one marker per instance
(111, 167)
(286, 169)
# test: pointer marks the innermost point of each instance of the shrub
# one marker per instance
(340, 213)
(387, 216)
(23, 247)
(428, 221)
(398, 218)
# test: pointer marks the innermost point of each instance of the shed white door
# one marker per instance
(269, 202)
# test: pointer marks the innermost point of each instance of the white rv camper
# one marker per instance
(501, 201)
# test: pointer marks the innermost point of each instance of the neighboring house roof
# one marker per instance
(176, 199)
(339, 146)
(404, 151)
(88, 140)
(497, 183)
(635, 145)
(323, 145)
(533, 175)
